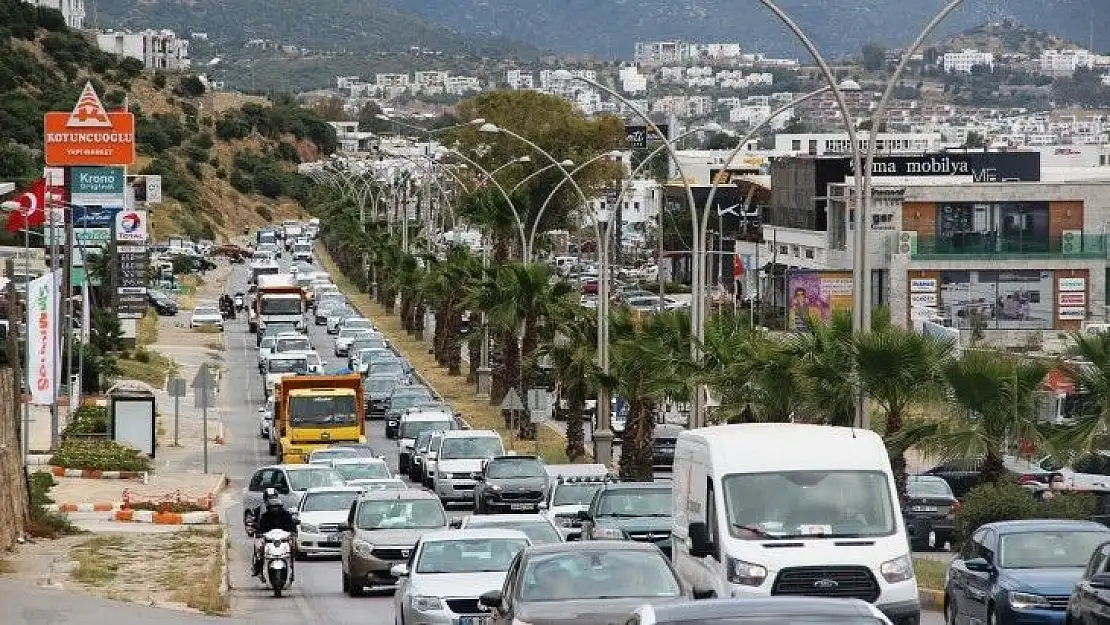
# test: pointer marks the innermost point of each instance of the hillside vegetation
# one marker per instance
(226, 161)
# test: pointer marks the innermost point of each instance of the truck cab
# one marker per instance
(316, 411)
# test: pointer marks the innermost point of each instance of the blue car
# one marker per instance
(1019, 572)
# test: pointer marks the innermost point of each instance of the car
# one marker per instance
(1090, 600)
(290, 480)
(315, 364)
(583, 583)
(163, 304)
(929, 512)
(336, 316)
(268, 348)
(357, 323)
(264, 348)
(511, 484)
(377, 389)
(400, 399)
(1020, 571)
(636, 511)
(329, 455)
(393, 483)
(381, 365)
(280, 365)
(420, 449)
(571, 493)
(538, 529)
(206, 316)
(322, 310)
(425, 470)
(292, 342)
(382, 528)
(449, 570)
(760, 611)
(412, 423)
(362, 351)
(347, 336)
(275, 329)
(320, 513)
(361, 468)
(302, 252)
(663, 440)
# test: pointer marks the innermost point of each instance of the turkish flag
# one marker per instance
(737, 266)
(32, 208)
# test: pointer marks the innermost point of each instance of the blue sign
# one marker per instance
(94, 216)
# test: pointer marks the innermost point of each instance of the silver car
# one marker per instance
(290, 480)
(449, 571)
(322, 510)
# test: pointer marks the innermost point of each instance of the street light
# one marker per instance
(428, 131)
(564, 163)
(613, 154)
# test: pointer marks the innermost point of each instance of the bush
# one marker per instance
(100, 456)
(189, 87)
(1007, 501)
(175, 507)
(232, 127)
(159, 81)
(88, 420)
(264, 212)
(43, 524)
(241, 182)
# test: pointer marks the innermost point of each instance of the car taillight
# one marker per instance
(1027, 479)
(954, 508)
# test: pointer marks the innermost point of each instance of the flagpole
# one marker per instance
(26, 341)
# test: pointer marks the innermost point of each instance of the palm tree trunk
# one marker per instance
(390, 303)
(529, 343)
(453, 344)
(576, 446)
(418, 319)
(894, 422)
(473, 350)
(499, 382)
(635, 462)
(406, 311)
(993, 469)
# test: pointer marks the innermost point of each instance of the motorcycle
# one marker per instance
(277, 560)
(240, 302)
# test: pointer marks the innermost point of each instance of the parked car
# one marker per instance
(206, 316)
(929, 511)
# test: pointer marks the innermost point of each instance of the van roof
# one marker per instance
(428, 415)
(471, 434)
(756, 447)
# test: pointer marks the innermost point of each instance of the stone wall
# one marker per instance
(13, 486)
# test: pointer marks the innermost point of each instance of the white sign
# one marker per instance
(131, 226)
(922, 285)
(1071, 284)
(923, 299)
(42, 337)
(1072, 298)
(89, 241)
(1072, 312)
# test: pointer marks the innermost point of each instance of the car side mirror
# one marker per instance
(492, 599)
(399, 570)
(701, 542)
(704, 592)
(583, 515)
(1102, 581)
(978, 565)
(455, 522)
(344, 527)
(479, 477)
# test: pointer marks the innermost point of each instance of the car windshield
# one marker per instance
(325, 411)
(267, 343)
(332, 501)
(928, 488)
(400, 514)
(412, 429)
(302, 247)
(598, 574)
(312, 477)
(1049, 550)
(470, 447)
(408, 397)
(474, 555)
(786, 619)
(358, 324)
(274, 329)
(635, 502)
(571, 494)
(379, 484)
(293, 344)
(393, 369)
(379, 385)
(281, 306)
(206, 311)
(514, 467)
(540, 532)
(332, 454)
(363, 470)
(365, 349)
(791, 504)
(422, 441)
(287, 365)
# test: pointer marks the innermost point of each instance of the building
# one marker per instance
(632, 81)
(655, 53)
(520, 79)
(429, 82)
(820, 144)
(1064, 62)
(351, 139)
(461, 85)
(157, 49)
(963, 62)
(73, 11)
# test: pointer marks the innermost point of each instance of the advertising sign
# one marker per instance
(89, 135)
(144, 190)
(88, 241)
(1073, 298)
(95, 215)
(923, 285)
(1072, 312)
(978, 166)
(818, 293)
(96, 181)
(1071, 284)
(42, 348)
(639, 136)
(131, 226)
(923, 299)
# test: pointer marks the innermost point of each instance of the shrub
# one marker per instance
(241, 182)
(204, 140)
(43, 524)
(232, 127)
(175, 507)
(1007, 501)
(159, 81)
(99, 455)
(189, 87)
(88, 420)
(269, 182)
(264, 212)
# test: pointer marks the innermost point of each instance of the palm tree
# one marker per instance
(899, 368)
(995, 396)
(754, 375)
(1090, 372)
(447, 287)
(824, 368)
(573, 355)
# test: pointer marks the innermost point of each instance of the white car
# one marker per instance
(292, 342)
(319, 515)
(265, 348)
(450, 570)
(280, 365)
(315, 364)
(367, 484)
(537, 527)
(346, 336)
(293, 338)
(336, 315)
(302, 252)
(265, 420)
(206, 316)
(329, 455)
(362, 469)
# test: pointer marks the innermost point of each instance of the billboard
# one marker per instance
(131, 226)
(96, 181)
(89, 135)
(818, 293)
(639, 136)
(42, 337)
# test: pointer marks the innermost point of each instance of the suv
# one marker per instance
(290, 480)
(400, 399)
(414, 422)
(639, 511)
(376, 390)
(511, 484)
(570, 495)
(423, 465)
(381, 530)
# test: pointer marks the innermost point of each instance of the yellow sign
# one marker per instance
(818, 293)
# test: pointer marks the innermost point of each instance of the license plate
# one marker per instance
(475, 620)
(520, 506)
(331, 538)
(924, 508)
(277, 564)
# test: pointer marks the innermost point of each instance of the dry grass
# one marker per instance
(148, 328)
(6, 567)
(930, 573)
(198, 587)
(454, 389)
(98, 560)
(154, 371)
(188, 293)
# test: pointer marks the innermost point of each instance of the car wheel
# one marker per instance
(950, 612)
(346, 583)
(273, 449)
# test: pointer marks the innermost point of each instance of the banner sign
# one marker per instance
(89, 135)
(42, 337)
(95, 215)
(98, 181)
(640, 136)
(131, 226)
(818, 293)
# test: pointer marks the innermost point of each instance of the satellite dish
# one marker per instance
(214, 62)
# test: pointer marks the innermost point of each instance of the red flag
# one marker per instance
(32, 208)
(737, 266)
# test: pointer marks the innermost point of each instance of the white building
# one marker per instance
(1064, 62)
(962, 62)
(818, 144)
(73, 11)
(392, 80)
(632, 81)
(520, 79)
(429, 82)
(157, 49)
(351, 139)
(654, 53)
(461, 85)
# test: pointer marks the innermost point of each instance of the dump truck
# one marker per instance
(278, 299)
(315, 411)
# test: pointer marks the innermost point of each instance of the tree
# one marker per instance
(1090, 371)
(331, 110)
(573, 354)
(368, 119)
(189, 87)
(824, 368)
(975, 141)
(874, 57)
(448, 286)
(17, 164)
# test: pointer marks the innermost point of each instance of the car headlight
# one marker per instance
(363, 548)
(608, 532)
(746, 573)
(309, 528)
(1027, 601)
(495, 488)
(897, 570)
(564, 521)
(427, 604)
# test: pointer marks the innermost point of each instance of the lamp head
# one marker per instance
(567, 163)
(489, 128)
(849, 85)
(524, 159)
(10, 205)
(477, 121)
(384, 117)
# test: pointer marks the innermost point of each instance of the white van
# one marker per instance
(789, 509)
(462, 454)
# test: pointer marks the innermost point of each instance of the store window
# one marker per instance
(989, 228)
(997, 300)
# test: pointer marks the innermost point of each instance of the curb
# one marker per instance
(65, 508)
(225, 570)
(94, 474)
(931, 599)
(167, 518)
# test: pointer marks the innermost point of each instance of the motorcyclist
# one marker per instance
(227, 306)
(271, 515)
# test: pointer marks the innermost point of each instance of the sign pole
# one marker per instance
(176, 414)
(204, 427)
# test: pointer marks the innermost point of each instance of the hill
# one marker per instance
(226, 161)
(357, 25)
(839, 27)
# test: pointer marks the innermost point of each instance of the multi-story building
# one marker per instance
(656, 53)
(73, 11)
(963, 62)
(820, 144)
(461, 85)
(520, 79)
(351, 139)
(157, 49)
(392, 80)
(429, 82)
(632, 81)
(1064, 62)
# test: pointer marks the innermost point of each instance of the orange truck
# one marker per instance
(316, 411)
(278, 299)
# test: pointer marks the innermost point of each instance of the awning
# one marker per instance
(1059, 383)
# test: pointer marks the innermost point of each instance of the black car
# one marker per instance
(929, 511)
(376, 389)
(1090, 600)
(639, 511)
(511, 484)
(401, 399)
(964, 475)
(663, 441)
(163, 304)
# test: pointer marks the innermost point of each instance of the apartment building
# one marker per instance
(1064, 62)
(820, 144)
(520, 79)
(963, 62)
(429, 82)
(158, 49)
(73, 11)
(632, 81)
(461, 85)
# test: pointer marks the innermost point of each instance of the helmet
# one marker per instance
(272, 499)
